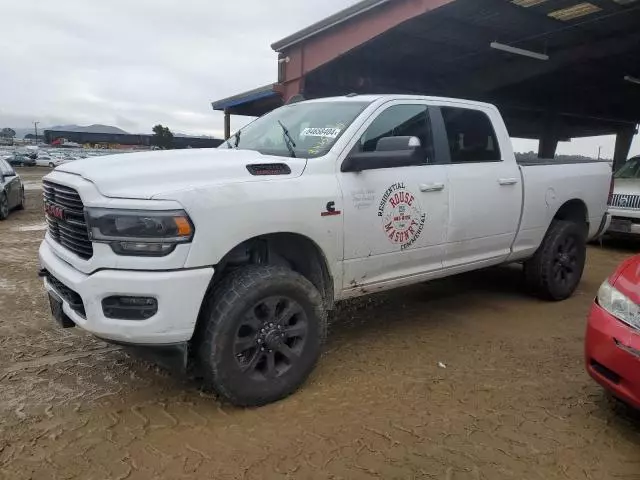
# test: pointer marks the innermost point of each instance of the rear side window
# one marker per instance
(399, 121)
(471, 136)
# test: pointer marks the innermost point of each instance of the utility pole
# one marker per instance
(599, 151)
(35, 125)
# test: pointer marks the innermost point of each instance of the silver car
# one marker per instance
(11, 190)
(625, 205)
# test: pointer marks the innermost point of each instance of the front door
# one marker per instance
(395, 218)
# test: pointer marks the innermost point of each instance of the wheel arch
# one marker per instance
(292, 250)
(574, 210)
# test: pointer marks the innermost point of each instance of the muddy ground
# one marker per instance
(513, 402)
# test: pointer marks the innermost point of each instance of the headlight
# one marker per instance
(619, 305)
(140, 232)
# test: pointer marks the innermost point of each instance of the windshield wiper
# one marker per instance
(236, 137)
(288, 140)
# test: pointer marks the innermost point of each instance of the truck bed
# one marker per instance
(552, 161)
(548, 185)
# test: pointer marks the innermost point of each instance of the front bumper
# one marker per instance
(179, 295)
(632, 216)
(613, 355)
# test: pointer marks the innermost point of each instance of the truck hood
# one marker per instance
(147, 174)
(627, 186)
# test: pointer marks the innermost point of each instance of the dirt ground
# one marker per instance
(513, 402)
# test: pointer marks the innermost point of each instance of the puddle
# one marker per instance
(36, 227)
(6, 285)
(31, 186)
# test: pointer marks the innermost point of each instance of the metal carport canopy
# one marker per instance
(586, 86)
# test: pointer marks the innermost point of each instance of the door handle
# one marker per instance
(432, 187)
(507, 181)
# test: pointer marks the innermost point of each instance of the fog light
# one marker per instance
(129, 308)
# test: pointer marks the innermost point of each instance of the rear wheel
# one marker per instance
(263, 327)
(4, 206)
(556, 269)
(51, 165)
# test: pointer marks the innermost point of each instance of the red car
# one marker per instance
(613, 334)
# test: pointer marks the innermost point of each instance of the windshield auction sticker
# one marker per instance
(402, 217)
(329, 132)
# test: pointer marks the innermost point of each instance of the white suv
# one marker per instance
(625, 204)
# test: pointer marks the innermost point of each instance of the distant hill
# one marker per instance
(89, 129)
(184, 135)
(97, 128)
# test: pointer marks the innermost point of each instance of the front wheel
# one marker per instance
(261, 334)
(22, 203)
(4, 206)
(51, 165)
(555, 271)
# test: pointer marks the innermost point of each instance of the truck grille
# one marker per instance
(631, 202)
(68, 227)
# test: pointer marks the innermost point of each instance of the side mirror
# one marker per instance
(391, 152)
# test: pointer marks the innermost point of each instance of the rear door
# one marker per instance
(395, 219)
(485, 195)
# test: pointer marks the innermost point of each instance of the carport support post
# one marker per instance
(548, 146)
(227, 124)
(549, 139)
(623, 146)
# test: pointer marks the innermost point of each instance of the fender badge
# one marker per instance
(331, 210)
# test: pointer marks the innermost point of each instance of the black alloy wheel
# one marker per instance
(271, 337)
(565, 265)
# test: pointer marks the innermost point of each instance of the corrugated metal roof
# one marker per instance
(329, 22)
(245, 97)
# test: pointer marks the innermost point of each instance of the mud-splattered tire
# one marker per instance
(261, 334)
(21, 205)
(4, 206)
(555, 271)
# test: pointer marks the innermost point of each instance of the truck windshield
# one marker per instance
(631, 169)
(305, 130)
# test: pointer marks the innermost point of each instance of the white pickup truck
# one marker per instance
(235, 255)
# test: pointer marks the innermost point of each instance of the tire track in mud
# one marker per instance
(53, 359)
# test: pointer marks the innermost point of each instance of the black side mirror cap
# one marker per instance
(358, 162)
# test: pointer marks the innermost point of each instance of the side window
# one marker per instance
(400, 121)
(471, 136)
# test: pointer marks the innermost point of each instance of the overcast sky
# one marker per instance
(136, 63)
